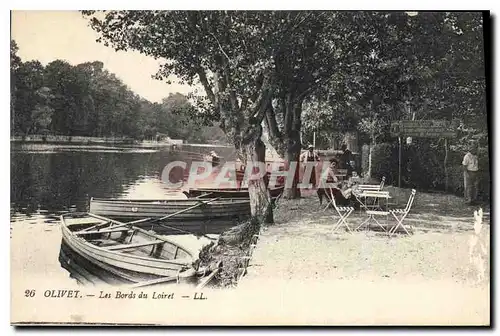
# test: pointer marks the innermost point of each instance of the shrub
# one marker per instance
(422, 167)
(385, 162)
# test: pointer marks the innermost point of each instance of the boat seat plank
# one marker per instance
(104, 242)
(102, 231)
(127, 246)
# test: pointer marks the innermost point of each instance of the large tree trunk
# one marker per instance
(260, 200)
(292, 155)
(293, 123)
(242, 124)
(275, 134)
(287, 142)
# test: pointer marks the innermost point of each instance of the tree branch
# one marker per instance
(287, 113)
(311, 88)
(244, 103)
(206, 85)
(271, 122)
(220, 47)
(232, 94)
(259, 107)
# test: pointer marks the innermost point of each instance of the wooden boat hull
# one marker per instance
(228, 193)
(195, 227)
(87, 273)
(131, 264)
(219, 209)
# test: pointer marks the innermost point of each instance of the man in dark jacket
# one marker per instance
(310, 156)
(347, 160)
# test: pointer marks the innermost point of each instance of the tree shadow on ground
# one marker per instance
(436, 205)
(428, 210)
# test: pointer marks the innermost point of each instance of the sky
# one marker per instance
(65, 35)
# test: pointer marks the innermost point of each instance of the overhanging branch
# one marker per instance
(271, 122)
(206, 85)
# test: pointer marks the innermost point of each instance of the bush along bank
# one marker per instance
(422, 167)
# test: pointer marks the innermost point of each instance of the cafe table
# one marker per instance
(370, 201)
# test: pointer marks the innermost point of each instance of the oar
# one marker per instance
(204, 195)
(142, 220)
(184, 210)
(183, 231)
(108, 221)
(119, 224)
(158, 219)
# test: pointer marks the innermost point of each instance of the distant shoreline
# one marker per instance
(100, 141)
(56, 146)
(68, 139)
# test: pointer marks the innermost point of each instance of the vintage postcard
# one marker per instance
(250, 168)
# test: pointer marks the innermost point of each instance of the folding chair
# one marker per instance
(400, 214)
(361, 203)
(343, 212)
(373, 187)
(329, 198)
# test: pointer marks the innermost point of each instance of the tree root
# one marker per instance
(232, 250)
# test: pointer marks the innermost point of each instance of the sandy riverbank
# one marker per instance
(367, 278)
(301, 273)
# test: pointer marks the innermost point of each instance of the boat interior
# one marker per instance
(124, 239)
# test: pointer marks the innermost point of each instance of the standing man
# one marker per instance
(347, 160)
(310, 156)
(215, 158)
(471, 181)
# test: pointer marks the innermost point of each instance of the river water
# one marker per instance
(51, 180)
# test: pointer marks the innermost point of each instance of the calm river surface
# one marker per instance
(50, 181)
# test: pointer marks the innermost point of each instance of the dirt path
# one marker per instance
(364, 278)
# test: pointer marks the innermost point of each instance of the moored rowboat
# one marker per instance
(218, 209)
(228, 192)
(128, 252)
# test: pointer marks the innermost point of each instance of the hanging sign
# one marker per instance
(424, 129)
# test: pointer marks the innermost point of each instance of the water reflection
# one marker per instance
(55, 182)
(84, 272)
(59, 181)
(47, 183)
